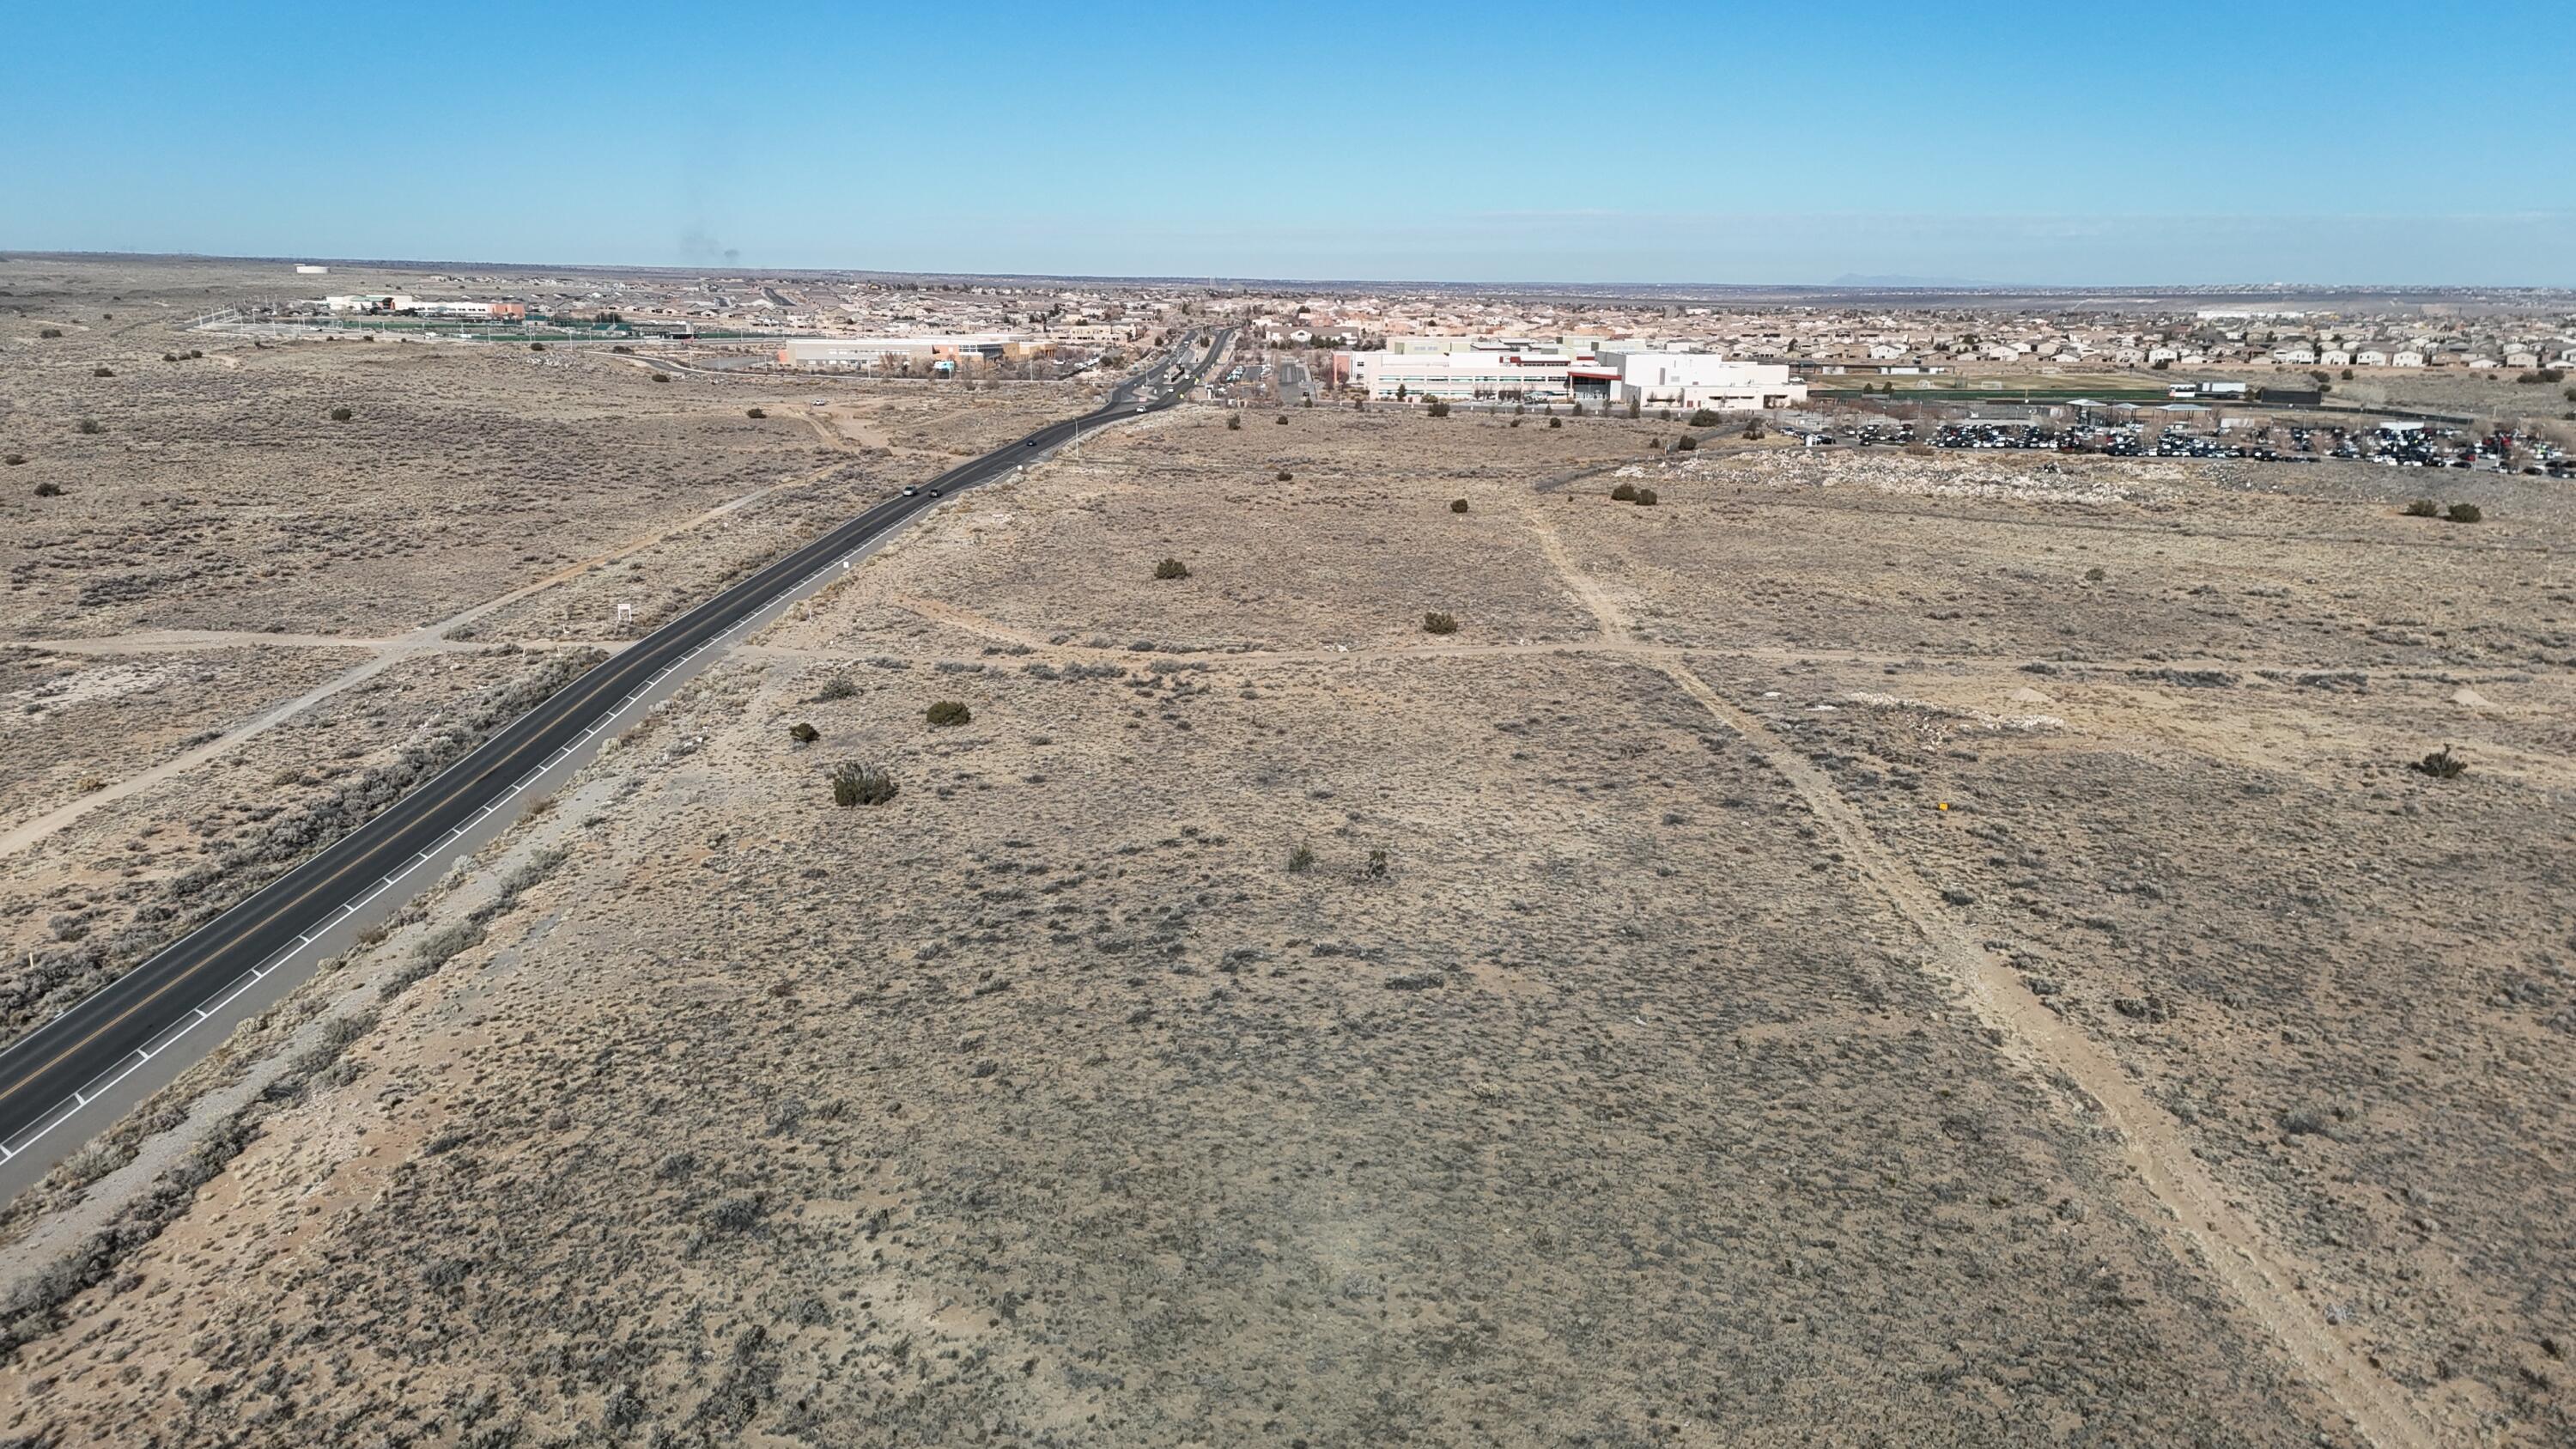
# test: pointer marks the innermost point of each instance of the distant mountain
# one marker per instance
(1856, 279)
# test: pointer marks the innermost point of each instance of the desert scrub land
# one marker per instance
(1883, 951)
(209, 531)
(73, 723)
(1024, 1109)
(82, 904)
(226, 491)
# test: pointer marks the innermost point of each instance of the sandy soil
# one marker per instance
(1805, 962)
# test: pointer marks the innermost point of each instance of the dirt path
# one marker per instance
(2204, 1225)
(1623, 644)
(169, 641)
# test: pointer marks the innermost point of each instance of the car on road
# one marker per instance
(911, 492)
(934, 492)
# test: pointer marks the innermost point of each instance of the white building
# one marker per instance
(1535, 376)
(898, 354)
(1695, 380)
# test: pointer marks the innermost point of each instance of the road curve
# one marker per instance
(62, 1066)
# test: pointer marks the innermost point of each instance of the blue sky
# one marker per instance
(2175, 142)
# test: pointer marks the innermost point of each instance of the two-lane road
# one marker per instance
(64, 1079)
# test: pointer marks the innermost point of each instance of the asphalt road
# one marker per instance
(63, 1067)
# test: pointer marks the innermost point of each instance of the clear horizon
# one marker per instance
(1498, 144)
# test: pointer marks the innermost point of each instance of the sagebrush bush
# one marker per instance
(2464, 513)
(661, 377)
(1645, 497)
(1457, 505)
(341, 415)
(1285, 475)
(1439, 408)
(1624, 493)
(49, 489)
(2423, 508)
(102, 372)
(803, 733)
(1301, 859)
(755, 412)
(1171, 568)
(91, 426)
(838, 686)
(857, 784)
(1556, 422)
(1439, 624)
(949, 712)
(2442, 765)
(1283, 417)
(1234, 422)
(14, 459)
(50, 332)
(1685, 444)
(1705, 419)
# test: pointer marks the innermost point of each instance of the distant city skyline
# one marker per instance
(2205, 145)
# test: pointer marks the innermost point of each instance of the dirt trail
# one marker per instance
(1624, 644)
(2204, 1225)
(970, 621)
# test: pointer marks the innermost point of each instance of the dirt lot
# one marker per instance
(1881, 952)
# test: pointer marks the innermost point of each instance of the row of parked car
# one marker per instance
(2395, 447)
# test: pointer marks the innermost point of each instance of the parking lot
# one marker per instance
(2393, 446)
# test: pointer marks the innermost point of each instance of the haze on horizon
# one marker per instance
(2202, 144)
